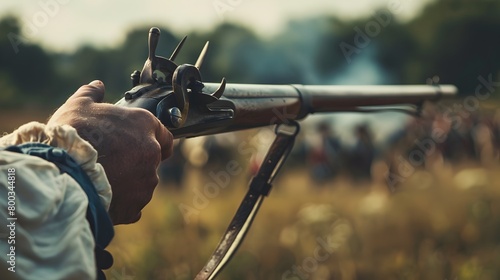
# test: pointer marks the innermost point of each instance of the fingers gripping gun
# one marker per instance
(188, 107)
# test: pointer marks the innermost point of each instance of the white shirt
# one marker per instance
(52, 237)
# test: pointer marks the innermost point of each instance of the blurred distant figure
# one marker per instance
(459, 144)
(397, 149)
(219, 150)
(325, 159)
(484, 140)
(496, 134)
(362, 154)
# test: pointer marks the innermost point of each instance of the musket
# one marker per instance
(188, 107)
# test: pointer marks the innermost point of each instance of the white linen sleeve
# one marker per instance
(66, 138)
(51, 237)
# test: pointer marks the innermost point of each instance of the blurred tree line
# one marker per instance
(457, 40)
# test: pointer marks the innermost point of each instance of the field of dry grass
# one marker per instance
(441, 224)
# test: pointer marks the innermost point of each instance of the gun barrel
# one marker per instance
(342, 98)
(262, 105)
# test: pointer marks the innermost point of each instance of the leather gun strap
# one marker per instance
(260, 185)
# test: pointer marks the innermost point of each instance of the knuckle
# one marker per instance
(143, 115)
(152, 179)
(152, 152)
(169, 148)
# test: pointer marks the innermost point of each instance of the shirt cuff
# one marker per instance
(65, 137)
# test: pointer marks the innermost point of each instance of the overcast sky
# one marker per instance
(64, 24)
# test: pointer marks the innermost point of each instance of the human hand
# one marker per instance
(131, 143)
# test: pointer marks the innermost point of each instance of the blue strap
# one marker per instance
(97, 216)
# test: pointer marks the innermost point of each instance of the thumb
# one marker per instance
(94, 91)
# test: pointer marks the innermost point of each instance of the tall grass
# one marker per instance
(441, 224)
